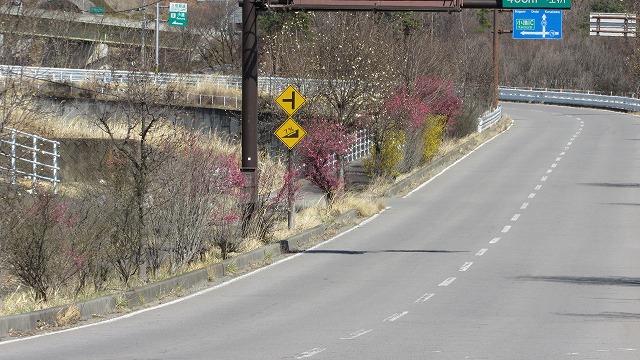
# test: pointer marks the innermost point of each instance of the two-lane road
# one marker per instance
(529, 248)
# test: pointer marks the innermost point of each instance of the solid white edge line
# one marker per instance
(454, 163)
(201, 292)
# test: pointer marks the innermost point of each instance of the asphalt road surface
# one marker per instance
(529, 248)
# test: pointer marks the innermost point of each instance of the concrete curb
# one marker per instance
(46, 318)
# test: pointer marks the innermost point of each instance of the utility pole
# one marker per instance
(157, 67)
(496, 59)
(144, 33)
(250, 101)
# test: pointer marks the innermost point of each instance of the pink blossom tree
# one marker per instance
(321, 152)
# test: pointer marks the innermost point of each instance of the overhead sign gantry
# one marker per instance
(410, 5)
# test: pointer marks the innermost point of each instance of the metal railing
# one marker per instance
(570, 98)
(361, 147)
(489, 118)
(29, 155)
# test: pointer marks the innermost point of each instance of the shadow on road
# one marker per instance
(586, 280)
(606, 315)
(355, 252)
(620, 185)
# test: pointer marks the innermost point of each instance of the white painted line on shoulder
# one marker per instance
(532, 195)
(366, 221)
(481, 252)
(456, 162)
(466, 266)
(544, 178)
(424, 298)
(506, 229)
(515, 217)
(310, 353)
(524, 206)
(538, 187)
(494, 240)
(448, 281)
(356, 334)
(396, 316)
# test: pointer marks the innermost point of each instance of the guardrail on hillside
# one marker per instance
(29, 155)
(489, 118)
(570, 98)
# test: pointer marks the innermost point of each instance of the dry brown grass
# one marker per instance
(68, 316)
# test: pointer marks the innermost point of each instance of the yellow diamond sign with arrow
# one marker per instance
(290, 100)
(290, 133)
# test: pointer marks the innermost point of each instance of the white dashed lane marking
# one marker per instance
(396, 316)
(356, 334)
(424, 298)
(481, 252)
(466, 266)
(515, 217)
(310, 353)
(506, 229)
(524, 206)
(494, 240)
(447, 282)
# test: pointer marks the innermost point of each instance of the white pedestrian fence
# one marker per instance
(29, 156)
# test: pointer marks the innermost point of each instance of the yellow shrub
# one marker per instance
(432, 136)
(390, 155)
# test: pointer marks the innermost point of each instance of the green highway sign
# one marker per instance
(536, 4)
(97, 10)
(525, 24)
(178, 14)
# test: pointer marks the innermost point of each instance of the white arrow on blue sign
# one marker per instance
(537, 24)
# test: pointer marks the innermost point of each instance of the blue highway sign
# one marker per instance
(537, 24)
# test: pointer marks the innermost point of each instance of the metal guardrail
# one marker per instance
(266, 84)
(24, 155)
(570, 98)
(489, 118)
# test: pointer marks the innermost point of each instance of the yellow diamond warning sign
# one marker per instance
(290, 133)
(290, 100)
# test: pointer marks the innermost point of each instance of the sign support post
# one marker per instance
(290, 133)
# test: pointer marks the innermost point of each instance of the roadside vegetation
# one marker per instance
(159, 198)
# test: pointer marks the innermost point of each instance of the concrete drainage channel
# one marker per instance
(33, 321)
